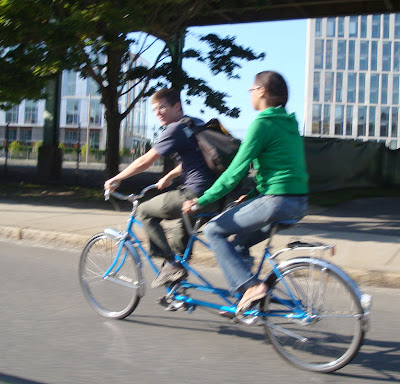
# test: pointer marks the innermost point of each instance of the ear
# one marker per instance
(178, 106)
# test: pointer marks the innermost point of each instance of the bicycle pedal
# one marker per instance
(164, 301)
(177, 306)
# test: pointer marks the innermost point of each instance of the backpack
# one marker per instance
(217, 145)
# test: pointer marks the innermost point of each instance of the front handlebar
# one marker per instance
(130, 197)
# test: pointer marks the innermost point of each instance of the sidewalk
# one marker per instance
(366, 232)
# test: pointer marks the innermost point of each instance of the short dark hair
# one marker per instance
(171, 95)
(275, 86)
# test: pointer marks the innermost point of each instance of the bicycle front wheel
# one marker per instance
(318, 325)
(117, 294)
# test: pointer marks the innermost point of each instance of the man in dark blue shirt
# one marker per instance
(177, 139)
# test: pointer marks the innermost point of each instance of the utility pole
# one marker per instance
(87, 128)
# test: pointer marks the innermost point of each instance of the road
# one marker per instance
(49, 335)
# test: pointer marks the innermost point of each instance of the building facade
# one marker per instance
(81, 117)
(352, 78)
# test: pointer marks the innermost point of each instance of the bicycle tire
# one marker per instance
(333, 336)
(118, 295)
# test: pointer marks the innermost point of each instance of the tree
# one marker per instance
(40, 38)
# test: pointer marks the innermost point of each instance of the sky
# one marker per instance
(284, 43)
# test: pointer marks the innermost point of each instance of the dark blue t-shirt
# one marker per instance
(179, 139)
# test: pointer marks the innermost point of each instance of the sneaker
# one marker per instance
(169, 273)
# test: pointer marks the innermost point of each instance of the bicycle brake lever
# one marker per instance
(107, 195)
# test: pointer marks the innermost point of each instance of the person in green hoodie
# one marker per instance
(275, 148)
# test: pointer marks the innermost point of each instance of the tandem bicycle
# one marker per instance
(314, 314)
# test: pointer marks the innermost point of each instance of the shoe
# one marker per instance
(251, 296)
(169, 273)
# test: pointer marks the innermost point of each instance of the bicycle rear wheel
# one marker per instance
(117, 294)
(329, 332)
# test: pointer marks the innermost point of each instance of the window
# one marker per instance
(363, 27)
(396, 57)
(12, 134)
(352, 51)
(12, 115)
(94, 139)
(384, 121)
(374, 87)
(376, 26)
(395, 99)
(374, 55)
(339, 86)
(386, 26)
(371, 126)
(328, 56)
(326, 122)
(384, 88)
(92, 87)
(351, 87)
(341, 27)
(95, 112)
(25, 135)
(71, 137)
(362, 121)
(386, 55)
(339, 116)
(364, 56)
(361, 88)
(395, 122)
(69, 83)
(330, 27)
(317, 85)
(397, 26)
(353, 26)
(72, 112)
(319, 54)
(318, 27)
(31, 112)
(341, 54)
(349, 120)
(328, 86)
(316, 119)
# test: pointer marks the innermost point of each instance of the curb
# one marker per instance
(363, 277)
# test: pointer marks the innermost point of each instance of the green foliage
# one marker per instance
(14, 147)
(37, 145)
(84, 148)
(61, 146)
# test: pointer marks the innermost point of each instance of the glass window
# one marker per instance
(12, 115)
(352, 52)
(25, 135)
(396, 57)
(376, 26)
(371, 126)
(319, 54)
(386, 26)
(92, 87)
(363, 29)
(341, 54)
(339, 117)
(384, 88)
(353, 26)
(374, 87)
(71, 136)
(318, 27)
(386, 55)
(94, 138)
(69, 83)
(361, 88)
(12, 134)
(362, 121)
(330, 27)
(95, 112)
(395, 122)
(395, 99)
(349, 120)
(73, 112)
(328, 86)
(364, 56)
(384, 121)
(328, 57)
(31, 112)
(316, 119)
(374, 55)
(327, 117)
(341, 27)
(317, 86)
(339, 86)
(351, 87)
(397, 26)
(393, 144)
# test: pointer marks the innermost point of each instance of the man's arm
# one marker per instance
(166, 181)
(136, 167)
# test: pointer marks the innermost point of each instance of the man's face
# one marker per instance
(166, 113)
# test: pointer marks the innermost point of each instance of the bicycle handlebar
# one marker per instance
(130, 197)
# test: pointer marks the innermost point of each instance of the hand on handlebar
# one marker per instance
(189, 206)
(111, 185)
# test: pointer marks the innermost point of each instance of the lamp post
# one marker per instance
(87, 128)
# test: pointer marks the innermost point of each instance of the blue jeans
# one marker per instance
(251, 223)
